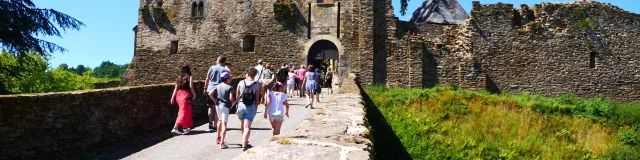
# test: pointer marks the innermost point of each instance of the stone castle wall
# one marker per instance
(221, 31)
(56, 125)
(545, 49)
(550, 51)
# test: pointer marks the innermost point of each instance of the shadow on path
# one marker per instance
(135, 144)
(386, 144)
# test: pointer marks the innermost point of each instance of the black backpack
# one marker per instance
(248, 95)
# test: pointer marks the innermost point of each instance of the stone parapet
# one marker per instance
(56, 125)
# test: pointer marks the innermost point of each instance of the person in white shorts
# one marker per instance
(291, 83)
(223, 99)
(275, 109)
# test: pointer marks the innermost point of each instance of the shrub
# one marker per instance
(628, 136)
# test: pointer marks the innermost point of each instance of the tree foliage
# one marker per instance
(21, 22)
(403, 6)
(64, 66)
(108, 69)
(38, 77)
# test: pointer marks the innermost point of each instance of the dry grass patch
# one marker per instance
(284, 141)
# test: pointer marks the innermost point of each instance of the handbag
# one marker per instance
(190, 99)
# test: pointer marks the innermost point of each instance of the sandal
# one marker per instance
(223, 145)
(307, 106)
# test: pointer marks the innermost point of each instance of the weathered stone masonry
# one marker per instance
(221, 31)
(545, 49)
(589, 49)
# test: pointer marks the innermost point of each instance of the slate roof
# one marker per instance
(440, 12)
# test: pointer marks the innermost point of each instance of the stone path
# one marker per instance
(200, 143)
(337, 131)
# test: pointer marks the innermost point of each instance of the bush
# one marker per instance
(628, 136)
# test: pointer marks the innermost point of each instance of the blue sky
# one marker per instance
(108, 35)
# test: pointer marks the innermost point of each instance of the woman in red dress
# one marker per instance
(183, 93)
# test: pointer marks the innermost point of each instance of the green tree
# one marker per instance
(21, 23)
(42, 78)
(80, 69)
(403, 6)
(108, 69)
(64, 66)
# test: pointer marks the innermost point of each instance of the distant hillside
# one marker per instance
(451, 123)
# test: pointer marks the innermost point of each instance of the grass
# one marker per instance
(450, 123)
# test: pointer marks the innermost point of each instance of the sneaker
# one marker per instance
(211, 126)
(218, 140)
(187, 130)
(224, 146)
(176, 132)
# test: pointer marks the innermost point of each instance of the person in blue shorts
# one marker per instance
(248, 90)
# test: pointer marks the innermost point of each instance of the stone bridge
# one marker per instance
(134, 123)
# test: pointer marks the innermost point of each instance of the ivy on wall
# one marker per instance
(285, 12)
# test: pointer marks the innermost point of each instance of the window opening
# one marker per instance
(194, 9)
(174, 47)
(592, 59)
(200, 9)
(248, 43)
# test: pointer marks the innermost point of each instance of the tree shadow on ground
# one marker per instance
(386, 144)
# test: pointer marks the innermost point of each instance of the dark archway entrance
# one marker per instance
(323, 54)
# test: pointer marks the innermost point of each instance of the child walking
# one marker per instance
(275, 109)
(222, 97)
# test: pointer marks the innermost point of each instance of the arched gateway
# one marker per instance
(323, 54)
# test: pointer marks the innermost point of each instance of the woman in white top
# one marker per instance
(291, 83)
(275, 109)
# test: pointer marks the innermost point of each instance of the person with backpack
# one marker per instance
(223, 99)
(184, 94)
(268, 73)
(248, 90)
(275, 109)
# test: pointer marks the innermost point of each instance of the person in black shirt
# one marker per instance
(282, 74)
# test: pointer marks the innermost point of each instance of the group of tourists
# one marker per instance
(261, 85)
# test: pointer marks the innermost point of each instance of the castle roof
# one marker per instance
(439, 11)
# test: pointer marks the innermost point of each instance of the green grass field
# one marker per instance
(451, 123)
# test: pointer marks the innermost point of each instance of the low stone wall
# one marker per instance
(337, 131)
(110, 84)
(53, 125)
